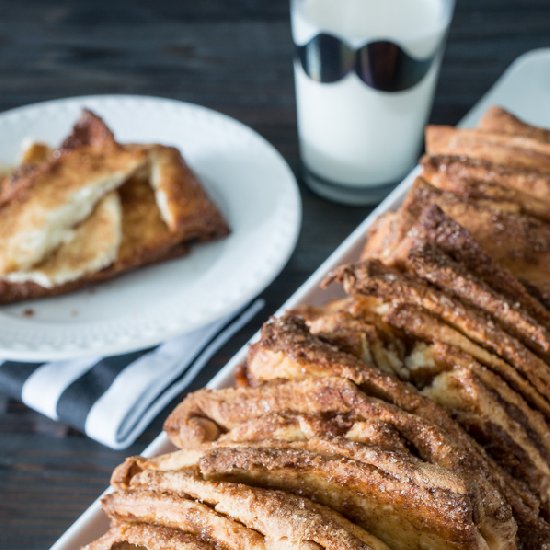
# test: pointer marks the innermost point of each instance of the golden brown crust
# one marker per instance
(516, 152)
(368, 339)
(325, 397)
(92, 245)
(13, 181)
(518, 243)
(127, 536)
(89, 131)
(395, 511)
(388, 284)
(459, 244)
(185, 206)
(513, 434)
(385, 235)
(304, 427)
(277, 516)
(426, 327)
(176, 512)
(41, 205)
(286, 351)
(305, 364)
(435, 266)
(330, 462)
(17, 292)
(524, 503)
(525, 191)
(423, 239)
(500, 121)
(235, 515)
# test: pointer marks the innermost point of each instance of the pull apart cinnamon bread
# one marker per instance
(321, 423)
(93, 209)
(412, 413)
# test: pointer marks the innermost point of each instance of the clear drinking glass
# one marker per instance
(365, 73)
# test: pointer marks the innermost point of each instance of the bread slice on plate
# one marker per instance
(93, 245)
(93, 209)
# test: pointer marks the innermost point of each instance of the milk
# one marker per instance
(351, 134)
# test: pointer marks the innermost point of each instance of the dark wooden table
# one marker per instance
(233, 56)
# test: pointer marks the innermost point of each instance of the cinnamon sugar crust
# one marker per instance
(237, 515)
(134, 536)
(388, 284)
(508, 150)
(500, 121)
(525, 191)
(513, 247)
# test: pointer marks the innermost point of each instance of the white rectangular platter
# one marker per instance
(524, 88)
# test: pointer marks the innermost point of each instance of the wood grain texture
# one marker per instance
(235, 57)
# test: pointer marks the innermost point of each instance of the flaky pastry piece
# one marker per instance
(517, 430)
(144, 239)
(89, 132)
(426, 327)
(12, 179)
(177, 512)
(402, 513)
(516, 152)
(336, 473)
(232, 415)
(182, 201)
(400, 464)
(233, 515)
(367, 338)
(286, 351)
(500, 121)
(57, 195)
(435, 266)
(331, 470)
(388, 284)
(430, 444)
(135, 536)
(93, 245)
(518, 243)
(235, 415)
(164, 209)
(421, 238)
(302, 427)
(514, 434)
(319, 381)
(184, 205)
(523, 191)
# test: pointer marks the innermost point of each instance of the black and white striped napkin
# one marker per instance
(113, 399)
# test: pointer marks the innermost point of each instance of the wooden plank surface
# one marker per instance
(231, 56)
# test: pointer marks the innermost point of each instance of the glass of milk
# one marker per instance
(365, 73)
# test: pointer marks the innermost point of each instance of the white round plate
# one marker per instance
(245, 176)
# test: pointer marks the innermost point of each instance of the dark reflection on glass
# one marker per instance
(386, 67)
(326, 58)
(382, 65)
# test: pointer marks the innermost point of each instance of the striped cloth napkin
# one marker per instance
(113, 399)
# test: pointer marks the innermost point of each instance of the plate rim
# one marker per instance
(280, 255)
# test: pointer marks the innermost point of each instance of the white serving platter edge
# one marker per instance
(524, 88)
